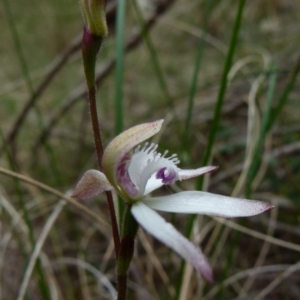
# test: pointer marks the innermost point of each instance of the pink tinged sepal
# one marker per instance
(167, 234)
(91, 184)
(123, 143)
(195, 202)
(187, 174)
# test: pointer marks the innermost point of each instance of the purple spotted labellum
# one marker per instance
(135, 174)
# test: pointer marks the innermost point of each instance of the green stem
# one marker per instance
(270, 117)
(193, 89)
(114, 223)
(129, 231)
(154, 57)
(223, 88)
(216, 118)
(257, 157)
(284, 96)
(122, 287)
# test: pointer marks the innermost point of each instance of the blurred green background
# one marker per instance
(231, 102)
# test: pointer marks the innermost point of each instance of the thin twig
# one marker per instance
(57, 65)
(57, 193)
(259, 235)
(277, 152)
(95, 272)
(38, 247)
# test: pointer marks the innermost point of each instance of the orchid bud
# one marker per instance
(95, 30)
(93, 12)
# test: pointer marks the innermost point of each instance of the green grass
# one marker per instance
(181, 70)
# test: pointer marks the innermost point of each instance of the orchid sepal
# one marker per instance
(91, 184)
(196, 202)
(165, 232)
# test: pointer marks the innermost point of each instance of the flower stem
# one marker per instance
(99, 150)
(95, 124)
(122, 287)
(91, 45)
(129, 230)
(114, 224)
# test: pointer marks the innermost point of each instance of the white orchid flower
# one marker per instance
(136, 174)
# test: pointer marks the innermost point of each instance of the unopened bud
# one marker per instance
(93, 12)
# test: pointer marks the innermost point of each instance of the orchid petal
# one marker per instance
(167, 234)
(123, 143)
(91, 184)
(152, 184)
(186, 174)
(195, 202)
